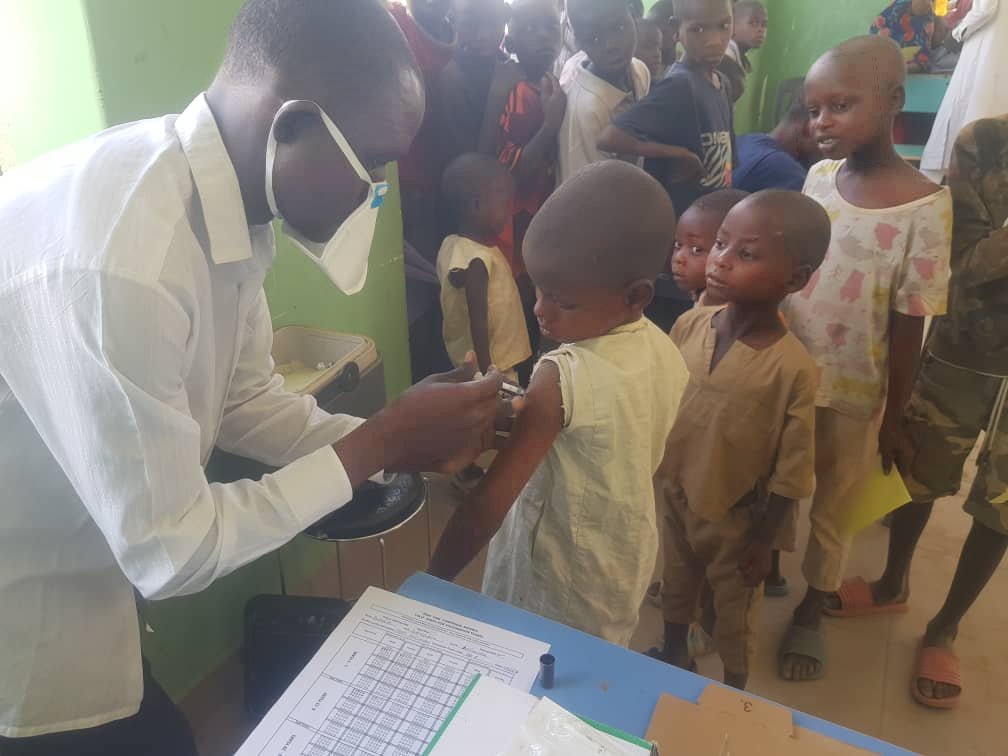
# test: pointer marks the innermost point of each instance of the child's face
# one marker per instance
(751, 28)
(694, 239)
(492, 209)
(747, 263)
(569, 311)
(479, 26)
(705, 31)
(847, 110)
(649, 48)
(535, 34)
(607, 35)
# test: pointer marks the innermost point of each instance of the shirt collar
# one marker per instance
(610, 95)
(216, 183)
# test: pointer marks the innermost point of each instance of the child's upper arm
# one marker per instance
(660, 115)
(532, 435)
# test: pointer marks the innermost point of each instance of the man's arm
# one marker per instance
(506, 77)
(474, 524)
(906, 333)
(121, 429)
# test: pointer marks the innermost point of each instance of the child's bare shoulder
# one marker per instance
(904, 184)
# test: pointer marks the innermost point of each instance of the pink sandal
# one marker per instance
(939, 665)
(856, 600)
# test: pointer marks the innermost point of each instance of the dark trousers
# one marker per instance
(158, 729)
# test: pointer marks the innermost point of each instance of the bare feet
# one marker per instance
(940, 637)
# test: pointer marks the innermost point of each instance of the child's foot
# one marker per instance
(802, 654)
(736, 680)
(937, 693)
(884, 593)
(776, 586)
(676, 660)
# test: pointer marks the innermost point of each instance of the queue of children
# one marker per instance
(795, 368)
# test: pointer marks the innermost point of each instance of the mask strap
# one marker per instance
(344, 146)
(271, 145)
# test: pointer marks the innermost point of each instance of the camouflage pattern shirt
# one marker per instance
(974, 333)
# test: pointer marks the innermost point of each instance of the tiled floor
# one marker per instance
(867, 687)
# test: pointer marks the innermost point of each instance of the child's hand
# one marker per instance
(683, 164)
(754, 564)
(554, 101)
(895, 446)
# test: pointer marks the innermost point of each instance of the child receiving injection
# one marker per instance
(569, 503)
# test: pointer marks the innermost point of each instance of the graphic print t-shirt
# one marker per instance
(686, 109)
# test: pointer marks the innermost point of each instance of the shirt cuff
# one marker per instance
(314, 485)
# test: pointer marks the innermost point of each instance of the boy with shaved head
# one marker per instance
(137, 338)
(749, 407)
(862, 315)
(569, 504)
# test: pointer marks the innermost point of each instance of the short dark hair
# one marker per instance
(747, 7)
(662, 11)
(720, 201)
(804, 224)
(684, 7)
(575, 9)
(313, 42)
(647, 23)
(465, 177)
(610, 224)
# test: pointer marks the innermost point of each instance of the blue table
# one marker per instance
(596, 679)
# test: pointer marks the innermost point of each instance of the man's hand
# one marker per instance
(895, 446)
(754, 564)
(440, 425)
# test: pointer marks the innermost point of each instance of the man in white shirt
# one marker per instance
(136, 337)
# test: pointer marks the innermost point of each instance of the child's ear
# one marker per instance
(799, 278)
(639, 294)
(897, 99)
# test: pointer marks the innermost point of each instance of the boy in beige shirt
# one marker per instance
(749, 408)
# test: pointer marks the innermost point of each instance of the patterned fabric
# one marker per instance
(948, 409)
(521, 120)
(878, 261)
(974, 335)
(912, 33)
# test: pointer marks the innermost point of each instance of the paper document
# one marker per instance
(386, 679)
(877, 496)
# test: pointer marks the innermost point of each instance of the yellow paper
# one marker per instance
(941, 7)
(879, 495)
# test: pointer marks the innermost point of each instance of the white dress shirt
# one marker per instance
(135, 335)
(592, 104)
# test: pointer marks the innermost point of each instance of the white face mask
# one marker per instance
(344, 258)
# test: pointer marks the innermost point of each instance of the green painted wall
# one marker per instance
(800, 31)
(49, 94)
(112, 61)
